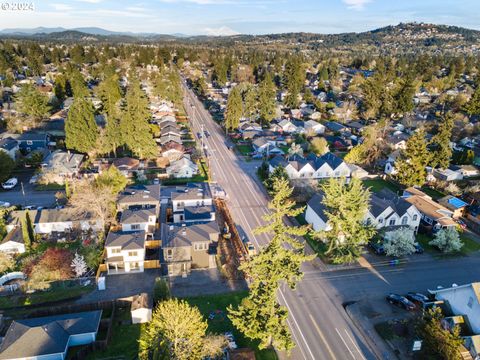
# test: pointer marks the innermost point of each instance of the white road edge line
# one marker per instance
(355, 345)
(345, 343)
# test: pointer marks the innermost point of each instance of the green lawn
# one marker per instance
(434, 194)
(124, 341)
(319, 247)
(469, 245)
(40, 297)
(379, 184)
(49, 187)
(245, 149)
(221, 323)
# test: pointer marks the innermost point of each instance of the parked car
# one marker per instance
(10, 184)
(250, 248)
(33, 179)
(462, 224)
(377, 247)
(207, 134)
(419, 249)
(4, 204)
(417, 298)
(400, 301)
(199, 135)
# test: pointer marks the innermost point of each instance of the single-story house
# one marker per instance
(13, 242)
(466, 170)
(336, 127)
(454, 204)
(314, 126)
(287, 126)
(61, 165)
(10, 146)
(182, 168)
(128, 166)
(447, 174)
(173, 151)
(63, 220)
(49, 337)
(263, 145)
(30, 141)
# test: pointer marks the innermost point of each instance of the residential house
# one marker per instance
(182, 168)
(433, 215)
(312, 167)
(125, 251)
(387, 210)
(355, 127)
(339, 143)
(13, 242)
(186, 247)
(139, 220)
(193, 203)
(170, 130)
(140, 196)
(315, 214)
(398, 141)
(447, 174)
(454, 204)
(467, 171)
(250, 126)
(390, 163)
(287, 126)
(60, 165)
(9, 146)
(336, 127)
(47, 221)
(463, 300)
(173, 151)
(315, 127)
(30, 141)
(166, 139)
(49, 337)
(262, 145)
(128, 166)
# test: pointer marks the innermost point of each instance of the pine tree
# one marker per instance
(250, 104)
(411, 164)
(294, 79)
(31, 102)
(80, 128)
(404, 97)
(260, 316)
(234, 109)
(134, 127)
(345, 207)
(109, 92)
(68, 192)
(472, 107)
(25, 235)
(266, 99)
(441, 144)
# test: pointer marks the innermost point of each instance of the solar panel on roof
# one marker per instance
(456, 202)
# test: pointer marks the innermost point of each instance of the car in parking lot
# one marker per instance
(10, 184)
(400, 301)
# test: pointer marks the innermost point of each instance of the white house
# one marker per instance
(314, 126)
(287, 126)
(125, 251)
(183, 168)
(193, 203)
(13, 242)
(463, 300)
(139, 220)
(63, 220)
(312, 167)
(390, 164)
(262, 145)
(315, 215)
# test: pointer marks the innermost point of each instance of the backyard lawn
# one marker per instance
(469, 245)
(379, 184)
(217, 306)
(245, 149)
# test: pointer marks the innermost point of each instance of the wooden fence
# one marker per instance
(151, 264)
(153, 244)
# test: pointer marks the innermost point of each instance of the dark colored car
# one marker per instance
(207, 134)
(418, 249)
(417, 298)
(377, 247)
(199, 135)
(400, 301)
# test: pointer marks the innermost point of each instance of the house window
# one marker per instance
(380, 221)
(392, 222)
(29, 142)
(404, 220)
(135, 226)
(132, 253)
(169, 254)
(115, 251)
(470, 302)
(200, 247)
(415, 217)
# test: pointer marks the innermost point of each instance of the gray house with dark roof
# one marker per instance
(30, 141)
(193, 203)
(139, 219)
(185, 247)
(10, 146)
(49, 337)
(140, 196)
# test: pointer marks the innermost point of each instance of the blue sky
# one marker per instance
(228, 17)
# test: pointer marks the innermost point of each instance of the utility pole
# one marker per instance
(23, 193)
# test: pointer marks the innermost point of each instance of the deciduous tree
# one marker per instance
(447, 240)
(6, 166)
(319, 146)
(399, 242)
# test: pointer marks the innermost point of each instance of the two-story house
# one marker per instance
(193, 203)
(125, 251)
(312, 167)
(30, 141)
(140, 196)
(186, 247)
(139, 220)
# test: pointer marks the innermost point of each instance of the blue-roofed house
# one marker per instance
(454, 204)
(30, 141)
(10, 146)
(336, 127)
(312, 167)
(49, 337)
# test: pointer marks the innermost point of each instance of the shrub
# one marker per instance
(161, 291)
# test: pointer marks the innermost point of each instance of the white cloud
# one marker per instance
(91, 1)
(61, 7)
(221, 31)
(356, 4)
(201, 2)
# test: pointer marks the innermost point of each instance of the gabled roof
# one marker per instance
(384, 199)
(135, 216)
(126, 240)
(181, 236)
(140, 194)
(192, 191)
(32, 136)
(8, 144)
(315, 203)
(46, 335)
(428, 207)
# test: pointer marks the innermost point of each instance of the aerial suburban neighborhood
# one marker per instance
(239, 188)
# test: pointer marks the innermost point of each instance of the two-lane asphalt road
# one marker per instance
(319, 324)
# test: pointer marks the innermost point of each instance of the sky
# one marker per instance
(228, 17)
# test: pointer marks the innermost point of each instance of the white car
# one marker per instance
(10, 183)
(4, 204)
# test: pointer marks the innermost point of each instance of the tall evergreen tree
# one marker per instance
(472, 107)
(260, 316)
(80, 128)
(441, 144)
(31, 102)
(25, 235)
(345, 207)
(294, 80)
(109, 92)
(266, 99)
(250, 102)
(134, 127)
(404, 96)
(234, 109)
(410, 166)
